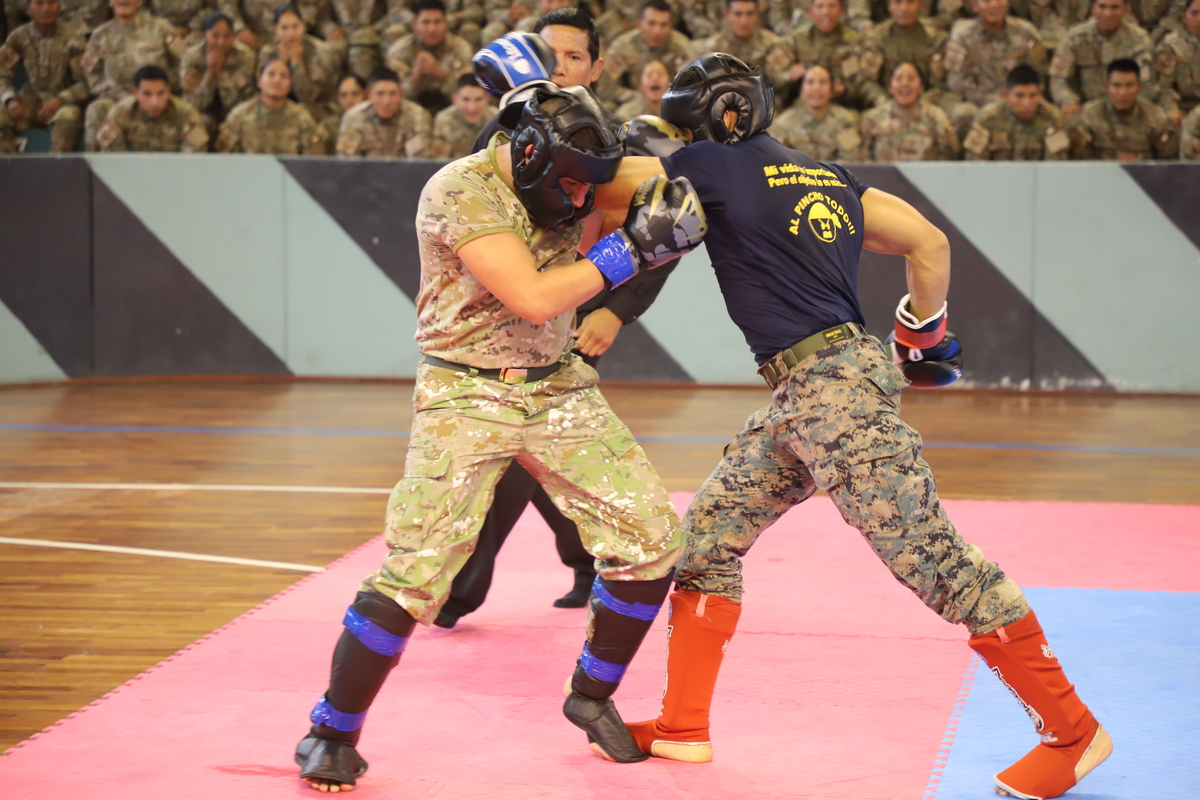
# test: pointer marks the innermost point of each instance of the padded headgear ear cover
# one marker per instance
(570, 139)
(701, 93)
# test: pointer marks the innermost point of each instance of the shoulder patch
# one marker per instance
(977, 139)
(1056, 139)
(197, 138)
(849, 139)
(8, 56)
(108, 134)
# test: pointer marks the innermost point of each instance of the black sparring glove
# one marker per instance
(648, 135)
(665, 221)
(931, 367)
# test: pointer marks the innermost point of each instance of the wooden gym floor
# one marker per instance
(77, 622)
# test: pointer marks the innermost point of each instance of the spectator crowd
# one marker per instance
(855, 80)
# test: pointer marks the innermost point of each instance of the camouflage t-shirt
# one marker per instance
(458, 319)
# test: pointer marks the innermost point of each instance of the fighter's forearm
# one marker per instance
(634, 171)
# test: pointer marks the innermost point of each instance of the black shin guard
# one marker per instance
(377, 630)
(622, 612)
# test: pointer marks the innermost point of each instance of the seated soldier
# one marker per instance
(1122, 126)
(1189, 146)
(744, 38)
(313, 64)
(1177, 62)
(217, 73)
(386, 125)
(152, 121)
(827, 40)
(654, 39)
(906, 128)
(982, 51)
(530, 22)
(271, 123)
(455, 128)
(254, 20)
(1077, 71)
(655, 79)
(54, 86)
(116, 51)
(429, 60)
(1021, 126)
(186, 15)
(350, 92)
(817, 126)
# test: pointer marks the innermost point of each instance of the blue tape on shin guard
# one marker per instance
(325, 714)
(373, 637)
(600, 669)
(642, 611)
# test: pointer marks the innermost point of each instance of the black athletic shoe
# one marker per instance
(577, 597)
(444, 620)
(602, 724)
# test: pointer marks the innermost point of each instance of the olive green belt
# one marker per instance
(504, 374)
(782, 362)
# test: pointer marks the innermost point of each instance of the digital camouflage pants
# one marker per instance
(834, 424)
(465, 432)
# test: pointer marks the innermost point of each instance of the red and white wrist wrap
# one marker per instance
(919, 334)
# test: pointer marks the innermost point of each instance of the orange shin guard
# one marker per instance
(699, 631)
(1073, 742)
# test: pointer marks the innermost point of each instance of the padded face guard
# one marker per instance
(570, 140)
(701, 93)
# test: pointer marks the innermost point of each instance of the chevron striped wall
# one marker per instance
(1068, 276)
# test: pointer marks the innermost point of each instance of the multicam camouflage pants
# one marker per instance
(835, 425)
(465, 432)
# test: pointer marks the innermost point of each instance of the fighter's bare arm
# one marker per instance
(614, 197)
(894, 227)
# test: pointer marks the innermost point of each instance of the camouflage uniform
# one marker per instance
(978, 61)
(888, 44)
(862, 15)
(114, 53)
(314, 77)
(453, 135)
(178, 129)
(453, 56)
(635, 106)
(619, 17)
(1177, 63)
(365, 133)
(703, 18)
(214, 97)
(1077, 72)
(836, 52)
(498, 18)
(629, 54)
(834, 424)
(52, 66)
(258, 16)
(1189, 135)
(81, 16)
(833, 136)
(763, 49)
(893, 133)
(466, 428)
(1000, 135)
(356, 19)
(251, 127)
(1145, 132)
(186, 14)
(1052, 18)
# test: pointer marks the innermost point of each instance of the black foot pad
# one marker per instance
(603, 725)
(329, 760)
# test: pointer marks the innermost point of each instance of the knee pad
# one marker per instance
(622, 612)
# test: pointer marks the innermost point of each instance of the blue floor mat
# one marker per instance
(1135, 660)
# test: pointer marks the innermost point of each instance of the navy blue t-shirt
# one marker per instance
(784, 236)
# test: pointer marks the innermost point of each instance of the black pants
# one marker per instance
(514, 491)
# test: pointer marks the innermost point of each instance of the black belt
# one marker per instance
(504, 375)
(782, 362)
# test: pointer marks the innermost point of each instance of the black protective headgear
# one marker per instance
(570, 139)
(701, 93)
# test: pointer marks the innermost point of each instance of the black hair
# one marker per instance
(288, 8)
(657, 5)
(382, 74)
(1124, 65)
(729, 3)
(352, 77)
(1187, 5)
(212, 19)
(573, 18)
(270, 61)
(467, 79)
(1022, 75)
(428, 5)
(920, 72)
(150, 72)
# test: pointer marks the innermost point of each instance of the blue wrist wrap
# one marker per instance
(325, 714)
(600, 669)
(613, 256)
(373, 637)
(642, 611)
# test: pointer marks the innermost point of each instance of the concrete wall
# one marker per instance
(1065, 275)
